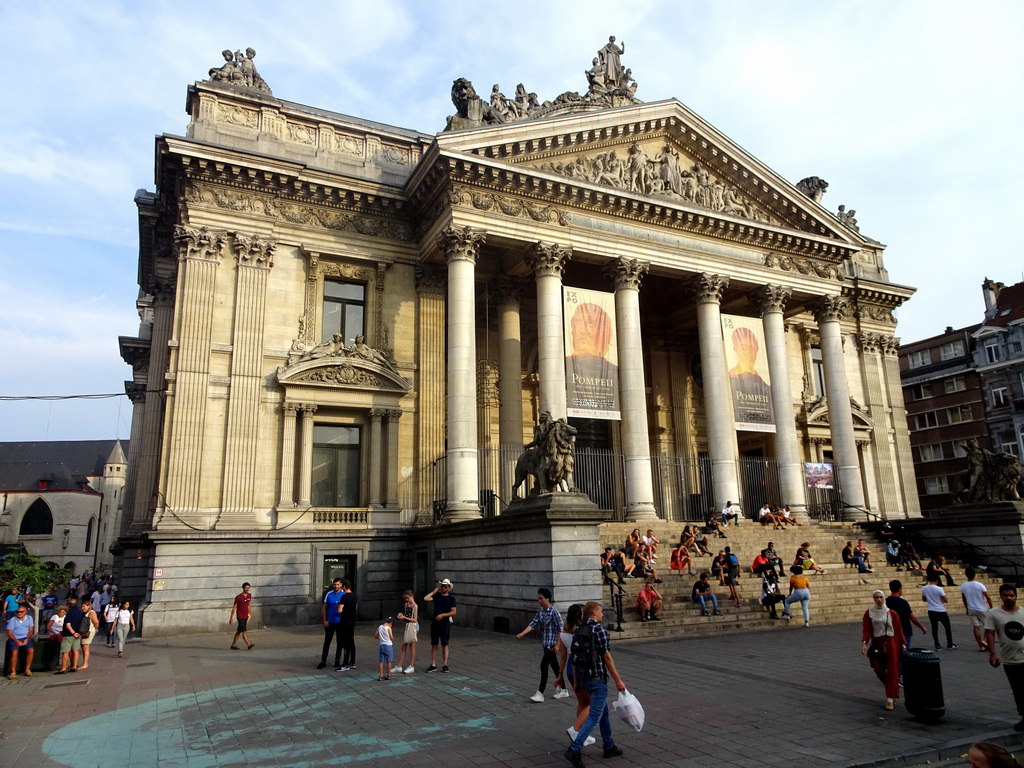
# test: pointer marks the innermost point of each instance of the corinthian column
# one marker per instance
(461, 246)
(626, 275)
(547, 263)
(707, 291)
(510, 373)
(772, 301)
(828, 311)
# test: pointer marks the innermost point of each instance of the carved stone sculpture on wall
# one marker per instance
(550, 458)
(813, 187)
(991, 477)
(335, 347)
(849, 218)
(239, 70)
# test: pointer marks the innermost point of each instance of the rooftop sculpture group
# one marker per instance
(610, 85)
(239, 70)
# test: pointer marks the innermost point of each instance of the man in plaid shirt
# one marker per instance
(595, 682)
(550, 622)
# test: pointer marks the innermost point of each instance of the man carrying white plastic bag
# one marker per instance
(628, 708)
(592, 664)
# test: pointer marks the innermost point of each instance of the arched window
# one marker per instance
(89, 532)
(38, 521)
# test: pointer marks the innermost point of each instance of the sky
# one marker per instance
(910, 110)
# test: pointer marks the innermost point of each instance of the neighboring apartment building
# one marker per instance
(61, 500)
(349, 330)
(963, 384)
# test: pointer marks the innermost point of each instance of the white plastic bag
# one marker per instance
(628, 708)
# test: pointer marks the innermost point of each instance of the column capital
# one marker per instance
(430, 280)
(707, 288)
(772, 298)
(461, 243)
(136, 391)
(890, 346)
(162, 291)
(202, 244)
(289, 408)
(253, 251)
(870, 342)
(509, 290)
(308, 409)
(376, 414)
(627, 274)
(829, 308)
(393, 414)
(548, 259)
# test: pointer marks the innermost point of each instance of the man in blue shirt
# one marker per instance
(20, 629)
(595, 682)
(330, 615)
(550, 622)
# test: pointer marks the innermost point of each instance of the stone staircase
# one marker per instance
(840, 595)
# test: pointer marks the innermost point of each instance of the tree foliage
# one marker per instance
(25, 571)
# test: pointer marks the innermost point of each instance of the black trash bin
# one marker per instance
(922, 685)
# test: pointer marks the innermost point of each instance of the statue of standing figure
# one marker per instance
(611, 64)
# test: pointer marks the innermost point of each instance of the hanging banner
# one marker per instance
(591, 354)
(819, 476)
(749, 379)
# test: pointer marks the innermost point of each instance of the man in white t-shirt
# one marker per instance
(976, 603)
(1004, 623)
(935, 596)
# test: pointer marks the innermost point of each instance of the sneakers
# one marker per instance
(409, 670)
(807, 624)
(444, 668)
(573, 733)
(786, 617)
(951, 647)
(342, 668)
(574, 758)
(718, 613)
(432, 668)
(537, 698)
(560, 693)
(396, 668)
(704, 613)
(614, 751)
(321, 665)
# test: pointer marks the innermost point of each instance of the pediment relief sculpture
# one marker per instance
(658, 172)
(609, 85)
(334, 362)
(239, 71)
(803, 266)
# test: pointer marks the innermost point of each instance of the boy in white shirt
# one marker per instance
(935, 596)
(976, 604)
(387, 648)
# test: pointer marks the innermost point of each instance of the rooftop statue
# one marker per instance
(609, 85)
(239, 70)
(849, 218)
(813, 187)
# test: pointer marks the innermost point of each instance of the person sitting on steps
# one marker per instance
(648, 602)
(703, 594)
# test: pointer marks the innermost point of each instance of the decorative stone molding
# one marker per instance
(627, 274)
(136, 392)
(829, 308)
(509, 206)
(377, 414)
(890, 346)
(547, 260)
(393, 414)
(308, 409)
(289, 408)
(430, 280)
(772, 298)
(200, 244)
(707, 288)
(461, 243)
(336, 348)
(252, 251)
(338, 374)
(296, 213)
(870, 343)
(876, 313)
(803, 266)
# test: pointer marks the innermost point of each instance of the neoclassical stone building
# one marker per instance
(349, 331)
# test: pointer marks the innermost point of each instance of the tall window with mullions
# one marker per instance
(344, 310)
(335, 481)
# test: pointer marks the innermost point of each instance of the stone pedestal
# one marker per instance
(562, 505)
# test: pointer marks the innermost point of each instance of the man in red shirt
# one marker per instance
(241, 609)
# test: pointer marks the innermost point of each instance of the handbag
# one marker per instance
(876, 649)
(628, 708)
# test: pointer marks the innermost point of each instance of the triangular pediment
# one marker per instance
(659, 151)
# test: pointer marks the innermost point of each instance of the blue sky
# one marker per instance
(910, 110)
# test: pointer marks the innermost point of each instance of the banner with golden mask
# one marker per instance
(749, 379)
(591, 354)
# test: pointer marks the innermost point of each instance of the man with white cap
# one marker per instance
(441, 626)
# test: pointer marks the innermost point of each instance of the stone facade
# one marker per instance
(349, 330)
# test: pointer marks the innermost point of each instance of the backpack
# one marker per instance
(733, 560)
(583, 651)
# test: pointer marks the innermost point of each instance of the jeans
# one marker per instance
(710, 598)
(598, 690)
(858, 561)
(122, 635)
(802, 596)
(329, 632)
(549, 659)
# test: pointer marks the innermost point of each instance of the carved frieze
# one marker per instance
(296, 213)
(707, 288)
(547, 259)
(508, 206)
(658, 174)
(461, 243)
(339, 374)
(235, 115)
(627, 274)
(803, 266)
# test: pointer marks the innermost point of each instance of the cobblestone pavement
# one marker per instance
(794, 696)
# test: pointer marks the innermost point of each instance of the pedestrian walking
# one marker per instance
(882, 642)
(977, 603)
(593, 668)
(1005, 624)
(935, 596)
(549, 621)
(125, 623)
(110, 619)
(799, 592)
(241, 609)
(441, 627)
(904, 610)
(573, 621)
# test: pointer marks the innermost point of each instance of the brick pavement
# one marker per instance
(190, 702)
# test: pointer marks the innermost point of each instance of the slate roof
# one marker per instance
(65, 464)
(1009, 306)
